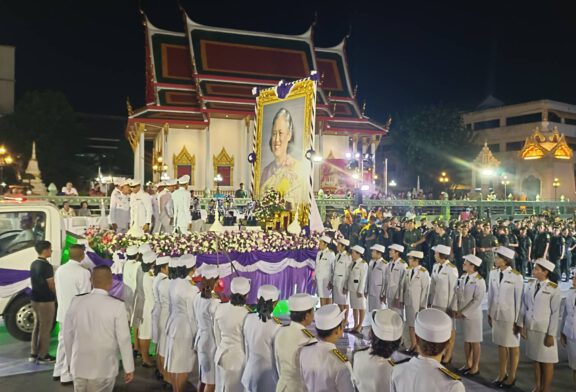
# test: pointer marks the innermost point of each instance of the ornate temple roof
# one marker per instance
(206, 72)
(546, 144)
(485, 158)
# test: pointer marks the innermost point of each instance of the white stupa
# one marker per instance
(38, 187)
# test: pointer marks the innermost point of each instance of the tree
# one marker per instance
(431, 140)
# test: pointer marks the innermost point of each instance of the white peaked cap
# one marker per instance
(378, 248)
(344, 241)
(416, 254)
(397, 247)
(135, 182)
(209, 271)
(473, 259)
(185, 179)
(161, 183)
(433, 325)
(301, 302)
(268, 292)
(149, 257)
(124, 182)
(132, 250)
(171, 182)
(328, 317)
(358, 249)
(144, 248)
(506, 252)
(173, 262)
(386, 324)
(187, 260)
(326, 239)
(240, 285)
(548, 265)
(163, 260)
(442, 249)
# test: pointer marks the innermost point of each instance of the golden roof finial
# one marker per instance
(129, 107)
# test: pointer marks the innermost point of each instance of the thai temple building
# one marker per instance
(199, 113)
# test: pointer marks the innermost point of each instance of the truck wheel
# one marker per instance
(19, 318)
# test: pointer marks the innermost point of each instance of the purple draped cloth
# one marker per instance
(10, 276)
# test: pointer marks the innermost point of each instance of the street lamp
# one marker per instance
(556, 185)
(5, 160)
(392, 183)
(443, 178)
(159, 167)
(505, 181)
(218, 179)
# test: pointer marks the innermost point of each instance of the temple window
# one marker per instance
(184, 164)
(224, 165)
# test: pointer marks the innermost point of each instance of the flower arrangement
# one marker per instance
(106, 242)
(270, 204)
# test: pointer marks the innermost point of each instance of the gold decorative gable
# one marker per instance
(546, 143)
(184, 159)
(485, 158)
(224, 160)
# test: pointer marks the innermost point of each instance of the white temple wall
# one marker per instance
(193, 140)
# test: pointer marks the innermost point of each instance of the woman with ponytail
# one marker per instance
(259, 331)
(204, 307)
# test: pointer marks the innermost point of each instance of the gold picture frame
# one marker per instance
(268, 99)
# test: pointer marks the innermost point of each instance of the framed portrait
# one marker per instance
(284, 134)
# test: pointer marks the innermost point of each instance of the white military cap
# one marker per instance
(149, 257)
(268, 292)
(506, 252)
(185, 179)
(187, 260)
(144, 248)
(209, 271)
(163, 260)
(171, 182)
(378, 248)
(124, 182)
(328, 317)
(132, 250)
(416, 254)
(397, 247)
(548, 265)
(301, 302)
(442, 249)
(161, 183)
(386, 324)
(477, 261)
(326, 239)
(433, 325)
(358, 249)
(134, 182)
(173, 262)
(344, 241)
(240, 285)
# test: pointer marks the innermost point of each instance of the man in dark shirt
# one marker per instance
(569, 243)
(485, 249)
(524, 250)
(556, 250)
(241, 192)
(43, 303)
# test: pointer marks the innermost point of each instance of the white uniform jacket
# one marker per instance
(181, 200)
(287, 344)
(540, 310)
(505, 296)
(140, 209)
(120, 210)
(443, 285)
(325, 369)
(470, 293)
(70, 280)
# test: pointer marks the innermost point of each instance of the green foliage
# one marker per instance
(434, 139)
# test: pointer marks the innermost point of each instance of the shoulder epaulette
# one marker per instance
(423, 269)
(451, 265)
(516, 272)
(402, 261)
(403, 360)
(552, 284)
(409, 268)
(215, 296)
(79, 295)
(391, 362)
(342, 357)
(479, 277)
(249, 308)
(277, 320)
(311, 343)
(308, 333)
(450, 374)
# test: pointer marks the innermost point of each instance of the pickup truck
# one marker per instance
(22, 224)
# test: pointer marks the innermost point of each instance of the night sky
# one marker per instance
(402, 55)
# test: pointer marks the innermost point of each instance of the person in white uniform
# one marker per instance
(539, 318)
(260, 328)
(416, 289)
(377, 276)
(140, 210)
(230, 357)
(568, 336)
(160, 274)
(181, 359)
(357, 287)
(323, 367)
(425, 372)
(145, 328)
(136, 274)
(120, 207)
(182, 199)
(505, 286)
(70, 280)
(205, 306)
(467, 308)
(94, 334)
(166, 207)
(290, 339)
(129, 272)
(164, 297)
(373, 365)
(396, 270)
(324, 270)
(339, 283)
(442, 289)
